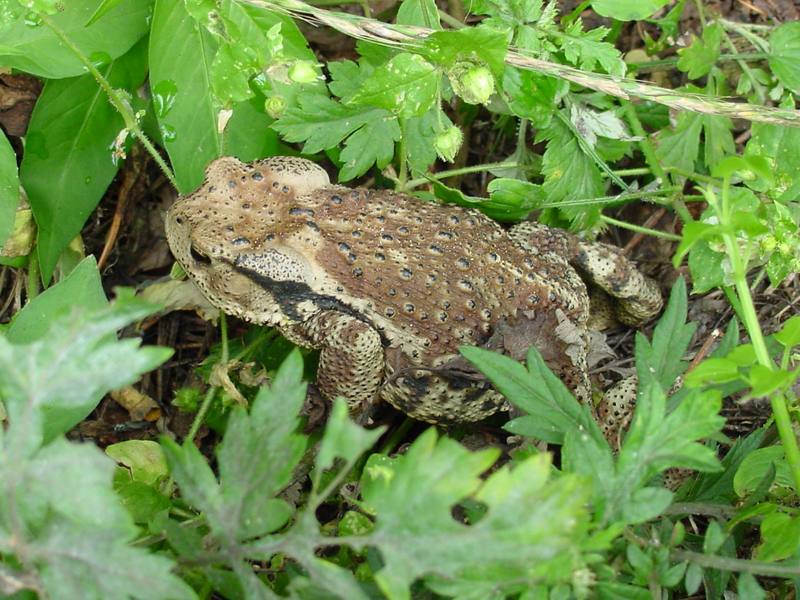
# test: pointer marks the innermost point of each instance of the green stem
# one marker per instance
(639, 229)
(577, 12)
(749, 317)
(451, 20)
(200, 416)
(644, 143)
(122, 107)
(402, 175)
(33, 276)
(462, 171)
(669, 62)
(223, 331)
(725, 563)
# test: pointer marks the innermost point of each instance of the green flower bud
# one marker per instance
(448, 142)
(474, 83)
(303, 71)
(768, 243)
(274, 106)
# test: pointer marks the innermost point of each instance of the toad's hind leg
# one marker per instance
(636, 297)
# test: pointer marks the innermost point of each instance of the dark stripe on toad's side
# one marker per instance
(288, 294)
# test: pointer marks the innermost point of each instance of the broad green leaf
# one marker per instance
(52, 383)
(68, 163)
(180, 62)
(479, 45)
(512, 199)
(780, 537)
(753, 466)
(423, 13)
(748, 588)
(420, 133)
(784, 57)
(627, 10)
(39, 51)
(143, 458)
(706, 266)
(697, 59)
(778, 145)
(680, 147)
(9, 189)
(82, 287)
(789, 335)
(406, 86)
(662, 359)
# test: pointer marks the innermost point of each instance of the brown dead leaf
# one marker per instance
(140, 407)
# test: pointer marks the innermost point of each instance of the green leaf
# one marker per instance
(586, 49)
(780, 537)
(662, 359)
(68, 164)
(789, 335)
(697, 59)
(423, 13)
(569, 173)
(143, 458)
(714, 538)
(784, 59)
(680, 147)
(57, 380)
(180, 63)
(748, 588)
(778, 145)
(406, 86)
(755, 464)
(81, 562)
(552, 408)
(528, 527)
(371, 144)
(718, 139)
(627, 10)
(480, 45)
(39, 51)
(9, 189)
(706, 266)
(343, 439)
(533, 96)
(512, 200)
(82, 287)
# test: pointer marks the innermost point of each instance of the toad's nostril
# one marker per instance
(179, 220)
(198, 256)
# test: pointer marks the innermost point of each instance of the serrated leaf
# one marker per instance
(9, 189)
(480, 45)
(569, 173)
(533, 96)
(371, 144)
(586, 49)
(627, 10)
(697, 59)
(406, 86)
(50, 384)
(343, 439)
(784, 59)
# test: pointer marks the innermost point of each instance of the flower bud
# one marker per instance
(474, 83)
(274, 106)
(448, 142)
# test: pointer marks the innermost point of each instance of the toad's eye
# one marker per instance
(199, 257)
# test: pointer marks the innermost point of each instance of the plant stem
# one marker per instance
(644, 144)
(639, 229)
(402, 176)
(200, 416)
(577, 12)
(749, 317)
(451, 20)
(462, 171)
(122, 107)
(33, 276)
(725, 563)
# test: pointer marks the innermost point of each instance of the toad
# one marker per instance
(388, 287)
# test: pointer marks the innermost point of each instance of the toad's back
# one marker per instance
(443, 275)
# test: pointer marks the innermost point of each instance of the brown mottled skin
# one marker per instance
(388, 287)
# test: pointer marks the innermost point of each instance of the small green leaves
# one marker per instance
(784, 59)
(697, 59)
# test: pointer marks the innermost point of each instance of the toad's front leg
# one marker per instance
(351, 362)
